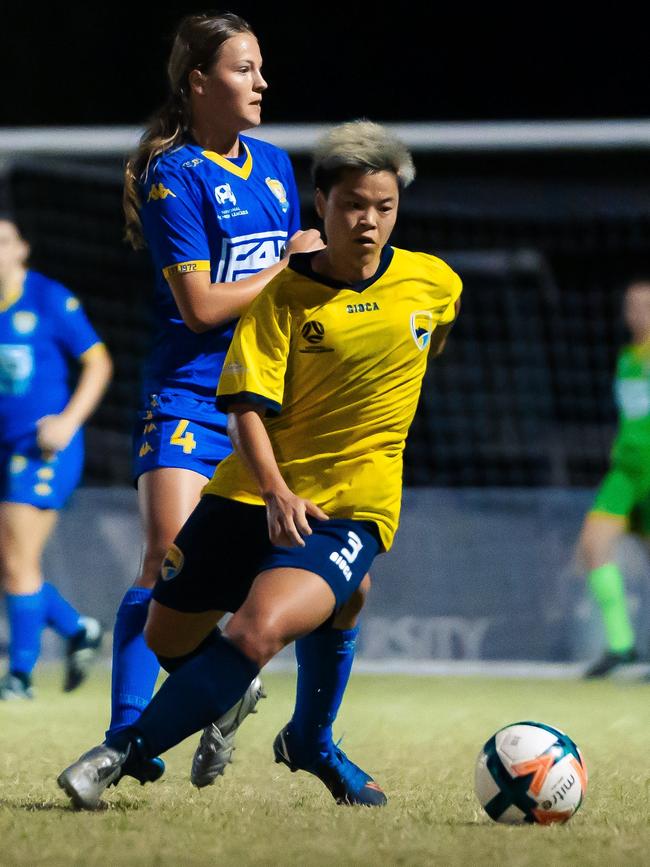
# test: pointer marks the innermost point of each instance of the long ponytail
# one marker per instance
(196, 46)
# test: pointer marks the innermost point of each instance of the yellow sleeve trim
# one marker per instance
(187, 267)
(95, 349)
(608, 516)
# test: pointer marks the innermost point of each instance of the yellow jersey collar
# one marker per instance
(12, 298)
(242, 172)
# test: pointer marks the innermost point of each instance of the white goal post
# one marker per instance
(488, 136)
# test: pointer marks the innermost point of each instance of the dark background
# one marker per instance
(331, 62)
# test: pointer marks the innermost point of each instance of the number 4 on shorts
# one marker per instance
(185, 440)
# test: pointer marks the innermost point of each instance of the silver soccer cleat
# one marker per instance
(85, 780)
(217, 743)
(12, 688)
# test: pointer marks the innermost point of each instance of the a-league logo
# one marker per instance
(313, 331)
(224, 194)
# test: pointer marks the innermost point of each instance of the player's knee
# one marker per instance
(19, 574)
(151, 563)
(260, 639)
(596, 543)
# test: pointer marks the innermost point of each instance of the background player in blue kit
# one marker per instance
(220, 215)
(42, 327)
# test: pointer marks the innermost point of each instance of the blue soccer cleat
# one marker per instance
(347, 782)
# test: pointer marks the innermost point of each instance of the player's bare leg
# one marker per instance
(24, 531)
(347, 783)
(597, 548)
(217, 741)
(283, 604)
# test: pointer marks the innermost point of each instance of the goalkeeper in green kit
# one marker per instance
(622, 503)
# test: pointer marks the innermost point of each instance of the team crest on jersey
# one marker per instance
(72, 304)
(190, 164)
(421, 328)
(314, 332)
(159, 191)
(24, 321)
(172, 564)
(223, 193)
(279, 192)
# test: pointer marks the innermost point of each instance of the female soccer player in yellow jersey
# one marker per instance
(320, 384)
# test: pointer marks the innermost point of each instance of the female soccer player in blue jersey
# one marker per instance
(319, 399)
(220, 215)
(42, 327)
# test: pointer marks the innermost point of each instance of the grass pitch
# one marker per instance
(418, 736)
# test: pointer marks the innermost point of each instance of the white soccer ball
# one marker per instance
(530, 772)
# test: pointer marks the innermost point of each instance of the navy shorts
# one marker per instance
(28, 476)
(225, 544)
(179, 431)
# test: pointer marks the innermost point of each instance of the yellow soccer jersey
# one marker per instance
(339, 370)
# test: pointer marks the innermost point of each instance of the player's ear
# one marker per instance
(319, 203)
(196, 81)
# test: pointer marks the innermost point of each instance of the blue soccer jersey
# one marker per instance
(203, 212)
(40, 330)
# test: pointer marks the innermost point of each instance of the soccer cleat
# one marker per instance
(217, 743)
(610, 661)
(87, 778)
(347, 782)
(14, 688)
(81, 652)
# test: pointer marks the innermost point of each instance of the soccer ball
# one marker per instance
(530, 772)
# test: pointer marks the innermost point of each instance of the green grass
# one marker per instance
(418, 736)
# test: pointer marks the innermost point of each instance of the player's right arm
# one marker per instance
(252, 384)
(286, 512)
(205, 305)
(172, 219)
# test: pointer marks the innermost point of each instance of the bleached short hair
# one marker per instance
(363, 145)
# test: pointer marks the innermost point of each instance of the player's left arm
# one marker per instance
(441, 333)
(54, 432)
(77, 339)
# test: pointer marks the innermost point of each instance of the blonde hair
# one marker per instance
(196, 46)
(360, 144)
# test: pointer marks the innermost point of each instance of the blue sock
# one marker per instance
(196, 694)
(59, 614)
(324, 664)
(26, 617)
(135, 667)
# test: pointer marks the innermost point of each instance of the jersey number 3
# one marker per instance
(185, 440)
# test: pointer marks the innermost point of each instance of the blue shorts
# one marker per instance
(224, 545)
(26, 476)
(179, 431)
